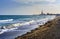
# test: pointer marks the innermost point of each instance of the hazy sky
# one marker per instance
(23, 7)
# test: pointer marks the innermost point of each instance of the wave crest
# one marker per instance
(6, 20)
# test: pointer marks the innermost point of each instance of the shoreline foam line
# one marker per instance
(29, 35)
(40, 22)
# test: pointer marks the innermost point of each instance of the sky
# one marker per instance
(29, 7)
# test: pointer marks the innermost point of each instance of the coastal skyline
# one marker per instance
(29, 7)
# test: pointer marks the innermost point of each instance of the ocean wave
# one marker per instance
(24, 23)
(6, 20)
(4, 29)
(16, 25)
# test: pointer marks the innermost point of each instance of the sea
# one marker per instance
(12, 26)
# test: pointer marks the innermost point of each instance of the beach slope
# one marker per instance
(48, 31)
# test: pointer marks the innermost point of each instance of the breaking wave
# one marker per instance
(6, 20)
(17, 25)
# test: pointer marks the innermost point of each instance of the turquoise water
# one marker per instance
(12, 26)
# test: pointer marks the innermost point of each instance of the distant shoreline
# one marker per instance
(36, 33)
(42, 14)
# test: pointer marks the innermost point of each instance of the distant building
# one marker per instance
(47, 13)
(42, 12)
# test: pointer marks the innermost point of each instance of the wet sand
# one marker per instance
(51, 30)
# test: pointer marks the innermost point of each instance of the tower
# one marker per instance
(42, 12)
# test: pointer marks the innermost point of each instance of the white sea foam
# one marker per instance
(6, 30)
(2, 30)
(40, 21)
(14, 26)
(6, 20)
(25, 23)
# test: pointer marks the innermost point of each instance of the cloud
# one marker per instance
(50, 0)
(27, 1)
(32, 2)
(34, 9)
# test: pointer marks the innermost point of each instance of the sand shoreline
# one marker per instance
(40, 33)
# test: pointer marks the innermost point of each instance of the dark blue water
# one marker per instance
(19, 18)
(12, 26)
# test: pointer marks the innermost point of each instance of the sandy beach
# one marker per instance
(51, 30)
